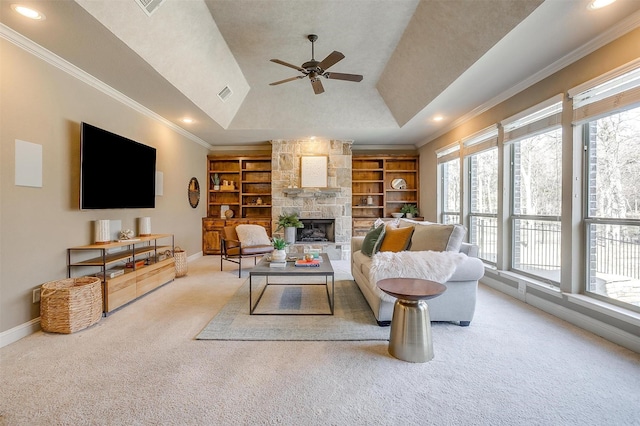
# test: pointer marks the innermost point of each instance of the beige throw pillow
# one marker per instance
(436, 237)
(252, 235)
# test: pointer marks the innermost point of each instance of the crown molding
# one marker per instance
(625, 26)
(384, 147)
(49, 57)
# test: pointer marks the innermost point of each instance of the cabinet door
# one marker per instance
(211, 232)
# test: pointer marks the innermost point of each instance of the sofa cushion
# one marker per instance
(372, 241)
(435, 236)
(396, 239)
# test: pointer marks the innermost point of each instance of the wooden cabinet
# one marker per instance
(373, 192)
(248, 197)
(212, 230)
(150, 266)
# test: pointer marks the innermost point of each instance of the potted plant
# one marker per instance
(216, 182)
(289, 222)
(409, 210)
(279, 245)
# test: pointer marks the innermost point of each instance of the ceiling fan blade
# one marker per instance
(317, 86)
(286, 64)
(333, 58)
(286, 80)
(341, 76)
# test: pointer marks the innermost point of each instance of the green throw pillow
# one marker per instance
(372, 241)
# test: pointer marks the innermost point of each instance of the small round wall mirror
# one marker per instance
(194, 192)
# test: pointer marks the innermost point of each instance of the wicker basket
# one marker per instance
(70, 305)
(180, 258)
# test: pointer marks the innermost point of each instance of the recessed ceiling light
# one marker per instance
(438, 118)
(599, 4)
(187, 120)
(28, 12)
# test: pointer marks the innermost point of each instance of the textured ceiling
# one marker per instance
(418, 58)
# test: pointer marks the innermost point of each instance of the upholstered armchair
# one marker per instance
(244, 241)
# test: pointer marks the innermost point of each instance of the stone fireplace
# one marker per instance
(330, 203)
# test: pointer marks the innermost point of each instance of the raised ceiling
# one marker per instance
(419, 58)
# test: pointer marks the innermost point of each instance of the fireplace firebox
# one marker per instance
(316, 230)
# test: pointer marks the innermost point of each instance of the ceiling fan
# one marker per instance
(314, 69)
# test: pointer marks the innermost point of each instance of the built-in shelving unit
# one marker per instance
(249, 194)
(250, 198)
(373, 195)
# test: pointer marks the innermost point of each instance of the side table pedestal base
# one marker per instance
(410, 335)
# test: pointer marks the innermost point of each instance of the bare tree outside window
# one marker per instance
(483, 206)
(537, 204)
(614, 203)
(450, 191)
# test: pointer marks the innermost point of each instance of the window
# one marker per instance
(536, 185)
(481, 155)
(449, 167)
(610, 116)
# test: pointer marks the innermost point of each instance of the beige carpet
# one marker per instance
(142, 366)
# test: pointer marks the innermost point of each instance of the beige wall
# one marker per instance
(615, 54)
(41, 104)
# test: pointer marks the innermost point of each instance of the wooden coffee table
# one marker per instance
(262, 269)
(410, 336)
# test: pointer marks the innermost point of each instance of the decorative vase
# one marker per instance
(290, 235)
(278, 255)
(409, 215)
(102, 233)
(144, 226)
(216, 187)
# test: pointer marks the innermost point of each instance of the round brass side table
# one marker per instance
(410, 336)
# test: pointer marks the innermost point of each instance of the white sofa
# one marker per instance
(456, 304)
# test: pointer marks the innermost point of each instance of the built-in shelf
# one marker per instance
(373, 195)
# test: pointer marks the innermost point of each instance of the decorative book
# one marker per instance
(278, 264)
(303, 262)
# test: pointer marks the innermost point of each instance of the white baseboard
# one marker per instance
(23, 330)
(194, 257)
(606, 331)
(18, 332)
(599, 328)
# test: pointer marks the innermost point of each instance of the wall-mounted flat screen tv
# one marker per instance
(115, 172)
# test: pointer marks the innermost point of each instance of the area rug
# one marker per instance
(352, 319)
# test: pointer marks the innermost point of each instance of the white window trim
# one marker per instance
(482, 140)
(540, 118)
(601, 79)
(448, 153)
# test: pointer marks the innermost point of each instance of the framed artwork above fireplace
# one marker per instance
(313, 171)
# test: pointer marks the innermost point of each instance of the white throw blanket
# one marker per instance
(428, 265)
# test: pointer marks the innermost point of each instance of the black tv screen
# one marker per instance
(115, 172)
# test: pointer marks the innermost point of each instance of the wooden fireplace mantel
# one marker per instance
(311, 192)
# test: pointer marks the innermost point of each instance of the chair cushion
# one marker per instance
(372, 241)
(252, 235)
(396, 239)
(262, 249)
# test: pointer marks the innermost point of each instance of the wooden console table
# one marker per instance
(149, 270)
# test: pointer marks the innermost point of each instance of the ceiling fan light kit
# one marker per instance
(314, 69)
